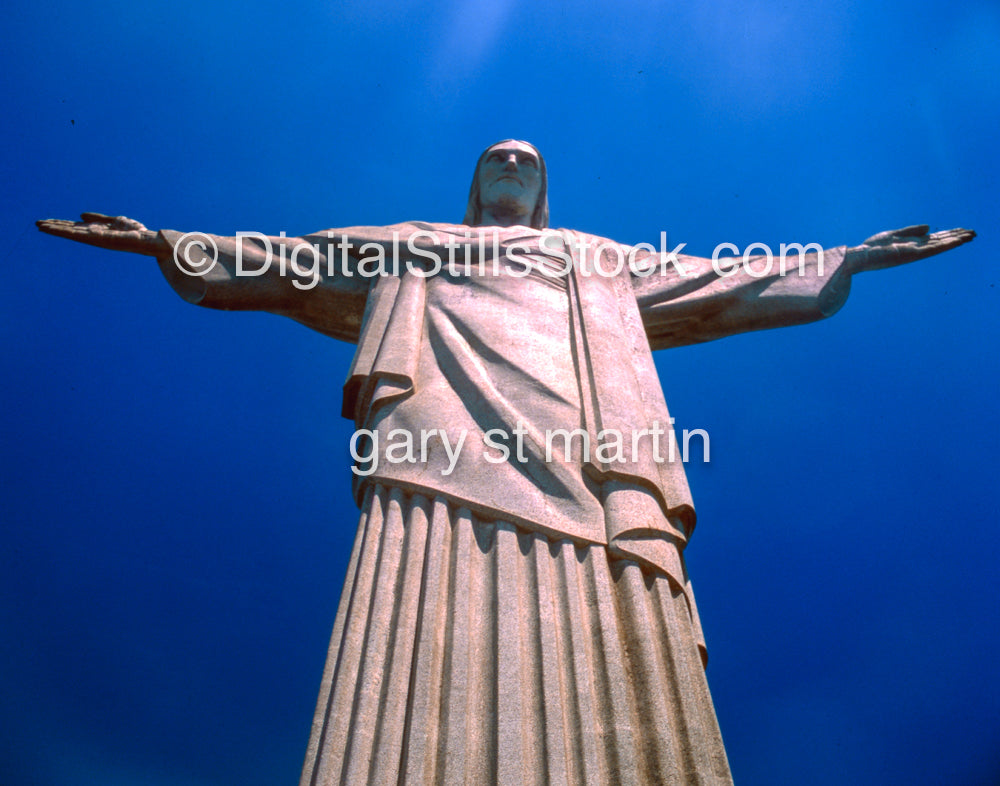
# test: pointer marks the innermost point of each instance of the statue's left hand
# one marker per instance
(900, 246)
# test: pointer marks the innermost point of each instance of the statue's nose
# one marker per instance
(511, 162)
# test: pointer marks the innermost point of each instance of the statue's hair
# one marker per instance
(539, 216)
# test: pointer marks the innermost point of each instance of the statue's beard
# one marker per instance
(508, 205)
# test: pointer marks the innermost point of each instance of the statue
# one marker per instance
(516, 608)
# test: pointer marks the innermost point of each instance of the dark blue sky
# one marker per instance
(175, 503)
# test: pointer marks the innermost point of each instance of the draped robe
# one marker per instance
(576, 554)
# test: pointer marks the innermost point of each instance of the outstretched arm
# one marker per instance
(250, 273)
(711, 299)
(321, 280)
(902, 246)
(117, 233)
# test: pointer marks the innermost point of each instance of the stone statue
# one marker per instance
(517, 608)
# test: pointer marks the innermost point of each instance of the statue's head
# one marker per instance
(511, 176)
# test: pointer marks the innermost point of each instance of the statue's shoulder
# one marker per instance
(578, 238)
(428, 226)
(425, 226)
(584, 236)
(380, 234)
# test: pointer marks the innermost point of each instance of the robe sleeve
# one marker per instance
(307, 279)
(721, 299)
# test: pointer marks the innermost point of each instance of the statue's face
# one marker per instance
(510, 178)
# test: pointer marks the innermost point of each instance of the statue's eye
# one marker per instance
(529, 161)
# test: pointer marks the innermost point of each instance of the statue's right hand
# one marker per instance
(115, 232)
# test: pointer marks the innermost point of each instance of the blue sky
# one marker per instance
(175, 503)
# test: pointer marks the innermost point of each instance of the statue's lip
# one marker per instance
(510, 177)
